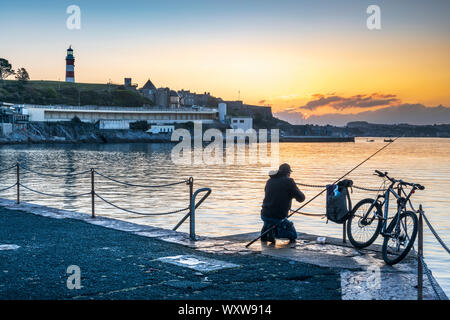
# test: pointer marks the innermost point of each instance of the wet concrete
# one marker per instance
(364, 274)
(121, 264)
(361, 274)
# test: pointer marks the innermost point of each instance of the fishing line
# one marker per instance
(320, 193)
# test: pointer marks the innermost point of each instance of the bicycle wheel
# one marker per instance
(363, 227)
(400, 238)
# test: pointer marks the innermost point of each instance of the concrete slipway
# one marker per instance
(122, 260)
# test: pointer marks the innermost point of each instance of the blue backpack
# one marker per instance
(339, 204)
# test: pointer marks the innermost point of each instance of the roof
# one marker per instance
(69, 55)
(149, 85)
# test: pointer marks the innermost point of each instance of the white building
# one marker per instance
(241, 123)
(155, 129)
(222, 112)
(114, 124)
(119, 117)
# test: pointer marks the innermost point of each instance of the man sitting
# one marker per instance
(279, 191)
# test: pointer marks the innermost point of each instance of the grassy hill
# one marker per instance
(57, 92)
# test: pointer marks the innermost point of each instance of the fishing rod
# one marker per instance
(319, 194)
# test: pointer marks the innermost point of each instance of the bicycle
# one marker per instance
(367, 220)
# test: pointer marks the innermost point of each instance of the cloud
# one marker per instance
(417, 114)
(358, 101)
(291, 116)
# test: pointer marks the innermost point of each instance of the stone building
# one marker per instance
(149, 91)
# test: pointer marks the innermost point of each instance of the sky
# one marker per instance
(304, 58)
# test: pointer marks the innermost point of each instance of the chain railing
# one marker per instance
(369, 189)
(190, 208)
(421, 265)
(344, 225)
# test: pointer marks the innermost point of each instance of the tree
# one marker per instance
(5, 69)
(75, 120)
(22, 75)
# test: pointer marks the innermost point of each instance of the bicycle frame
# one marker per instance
(401, 201)
(399, 234)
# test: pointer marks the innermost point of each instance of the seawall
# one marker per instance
(306, 270)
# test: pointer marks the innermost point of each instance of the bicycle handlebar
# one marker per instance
(385, 175)
(379, 173)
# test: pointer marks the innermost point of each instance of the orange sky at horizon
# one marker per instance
(283, 73)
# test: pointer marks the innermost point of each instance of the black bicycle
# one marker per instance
(367, 221)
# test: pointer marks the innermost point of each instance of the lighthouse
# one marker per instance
(70, 66)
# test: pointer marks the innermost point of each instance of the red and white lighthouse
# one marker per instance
(70, 66)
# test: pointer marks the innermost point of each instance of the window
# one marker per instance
(242, 121)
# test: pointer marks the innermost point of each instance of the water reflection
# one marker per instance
(235, 203)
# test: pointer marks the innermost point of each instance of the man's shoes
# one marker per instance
(268, 237)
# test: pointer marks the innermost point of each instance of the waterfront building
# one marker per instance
(202, 99)
(128, 84)
(10, 113)
(242, 109)
(156, 129)
(70, 65)
(111, 117)
(162, 98)
(149, 91)
(11, 117)
(174, 99)
(244, 123)
(222, 112)
(186, 98)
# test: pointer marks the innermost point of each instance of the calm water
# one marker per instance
(235, 203)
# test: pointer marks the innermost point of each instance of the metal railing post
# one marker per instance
(194, 206)
(420, 257)
(92, 193)
(18, 182)
(344, 234)
(191, 209)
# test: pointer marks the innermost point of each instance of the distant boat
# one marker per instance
(388, 140)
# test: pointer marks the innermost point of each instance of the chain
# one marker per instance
(55, 175)
(356, 187)
(7, 188)
(429, 275)
(370, 189)
(7, 169)
(309, 214)
(435, 233)
(140, 186)
(311, 185)
(140, 213)
(55, 195)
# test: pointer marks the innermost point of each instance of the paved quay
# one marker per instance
(121, 265)
(122, 260)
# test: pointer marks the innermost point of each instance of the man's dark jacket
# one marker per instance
(280, 190)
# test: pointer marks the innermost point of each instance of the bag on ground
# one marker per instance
(338, 201)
